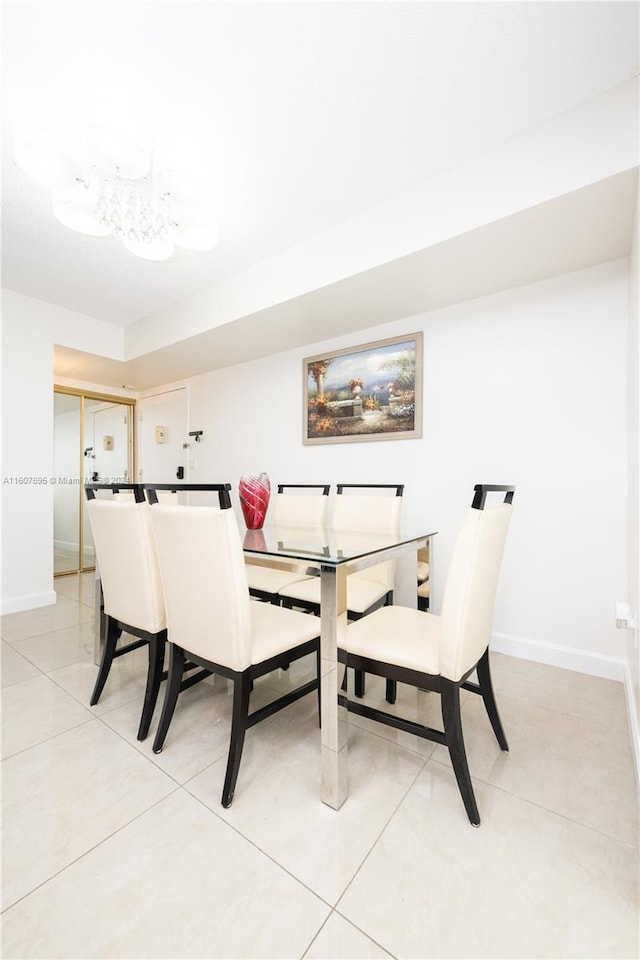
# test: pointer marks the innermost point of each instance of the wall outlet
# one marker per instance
(624, 617)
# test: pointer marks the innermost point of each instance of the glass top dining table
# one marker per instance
(334, 554)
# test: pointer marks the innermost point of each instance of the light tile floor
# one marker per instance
(110, 851)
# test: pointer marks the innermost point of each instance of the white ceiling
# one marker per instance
(300, 114)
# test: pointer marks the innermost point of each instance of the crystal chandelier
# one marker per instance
(132, 208)
(114, 189)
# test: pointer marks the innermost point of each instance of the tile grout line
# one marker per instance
(53, 736)
(380, 834)
(263, 853)
(425, 762)
(335, 912)
(540, 806)
(316, 935)
(542, 706)
(44, 633)
(85, 853)
(185, 789)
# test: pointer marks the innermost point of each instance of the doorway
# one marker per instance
(93, 440)
(162, 436)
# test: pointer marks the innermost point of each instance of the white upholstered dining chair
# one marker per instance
(214, 623)
(369, 512)
(293, 510)
(374, 508)
(132, 591)
(439, 653)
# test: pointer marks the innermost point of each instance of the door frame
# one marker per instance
(150, 394)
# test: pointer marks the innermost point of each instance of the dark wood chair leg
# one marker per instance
(154, 679)
(391, 691)
(176, 668)
(241, 691)
(111, 639)
(452, 720)
(486, 689)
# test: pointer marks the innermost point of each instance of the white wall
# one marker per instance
(27, 453)
(525, 387)
(29, 330)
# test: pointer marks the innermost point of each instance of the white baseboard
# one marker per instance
(568, 658)
(582, 661)
(66, 545)
(28, 602)
(632, 717)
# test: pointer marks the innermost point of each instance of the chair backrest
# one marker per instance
(369, 511)
(168, 492)
(128, 563)
(301, 509)
(205, 584)
(469, 597)
(166, 496)
(375, 512)
(119, 491)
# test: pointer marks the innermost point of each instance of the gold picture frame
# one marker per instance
(364, 393)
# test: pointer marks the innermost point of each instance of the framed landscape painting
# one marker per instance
(371, 392)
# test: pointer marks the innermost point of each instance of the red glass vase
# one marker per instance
(254, 492)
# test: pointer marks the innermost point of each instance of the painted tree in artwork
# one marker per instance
(318, 371)
(405, 367)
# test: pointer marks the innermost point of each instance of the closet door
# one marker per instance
(67, 415)
(92, 440)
